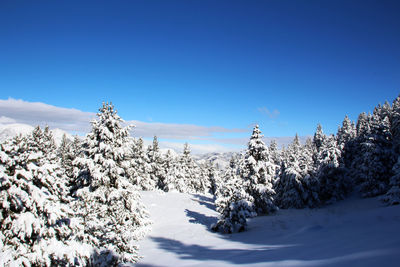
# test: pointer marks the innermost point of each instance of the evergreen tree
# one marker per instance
(346, 133)
(373, 157)
(334, 183)
(168, 167)
(258, 173)
(68, 154)
(232, 202)
(297, 187)
(108, 204)
(346, 140)
(395, 124)
(319, 137)
(157, 172)
(211, 174)
(139, 168)
(187, 176)
(37, 225)
(249, 191)
(392, 196)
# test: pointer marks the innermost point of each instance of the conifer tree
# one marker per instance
(108, 204)
(232, 202)
(296, 188)
(37, 225)
(139, 168)
(157, 172)
(319, 137)
(395, 124)
(258, 173)
(334, 183)
(392, 196)
(346, 140)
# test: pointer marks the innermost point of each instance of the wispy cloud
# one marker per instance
(37, 113)
(177, 131)
(73, 120)
(271, 114)
(77, 121)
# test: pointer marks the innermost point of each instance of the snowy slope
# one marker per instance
(10, 130)
(220, 160)
(58, 134)
(354, 232)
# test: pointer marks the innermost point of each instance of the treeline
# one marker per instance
(78, 204)
(361, 157)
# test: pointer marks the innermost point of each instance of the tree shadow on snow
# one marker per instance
(204, 201)
(198, 218)
(271, 255)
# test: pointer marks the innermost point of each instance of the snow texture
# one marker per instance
(353, 232)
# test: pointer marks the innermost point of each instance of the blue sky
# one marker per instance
(286, 65)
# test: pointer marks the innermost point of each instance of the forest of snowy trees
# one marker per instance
(79, 204)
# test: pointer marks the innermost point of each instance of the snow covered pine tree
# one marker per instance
(108, 203)
(252, 194)
(38, 227)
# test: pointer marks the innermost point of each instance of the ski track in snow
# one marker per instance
(353, 232)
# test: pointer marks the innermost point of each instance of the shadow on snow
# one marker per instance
(205, 201)
(268, 255)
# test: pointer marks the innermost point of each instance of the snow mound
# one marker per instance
(353, 232)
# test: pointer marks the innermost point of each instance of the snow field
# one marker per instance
(353, 232)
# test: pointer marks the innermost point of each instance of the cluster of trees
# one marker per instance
(78, 204)
(364, 157)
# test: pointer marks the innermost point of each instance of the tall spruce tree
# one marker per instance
(258, 173)
(157, 172)
(108, 204)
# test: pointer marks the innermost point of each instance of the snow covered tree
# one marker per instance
(392, 196)
(168, 167)
(63, 149)
(68, 151)
(157, 172)
(38, 228)
(297, 187)
(373, 158)
(109, 205)
(232, 202)
(230, 177)
(395, 124)
(187, 176)
(258, 172)
(249, 191)
(234, 210)
(212, 175)
(319, 137)
(346, 138)
(346, 132)
(334, 183)
(139, 168)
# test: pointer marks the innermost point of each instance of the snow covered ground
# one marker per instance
(354, 232)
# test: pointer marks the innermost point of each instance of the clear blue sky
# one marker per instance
(210, 63)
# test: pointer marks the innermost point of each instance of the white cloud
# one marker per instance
(75, 121)
(271, 114)
(36, 113)
(177, 131)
